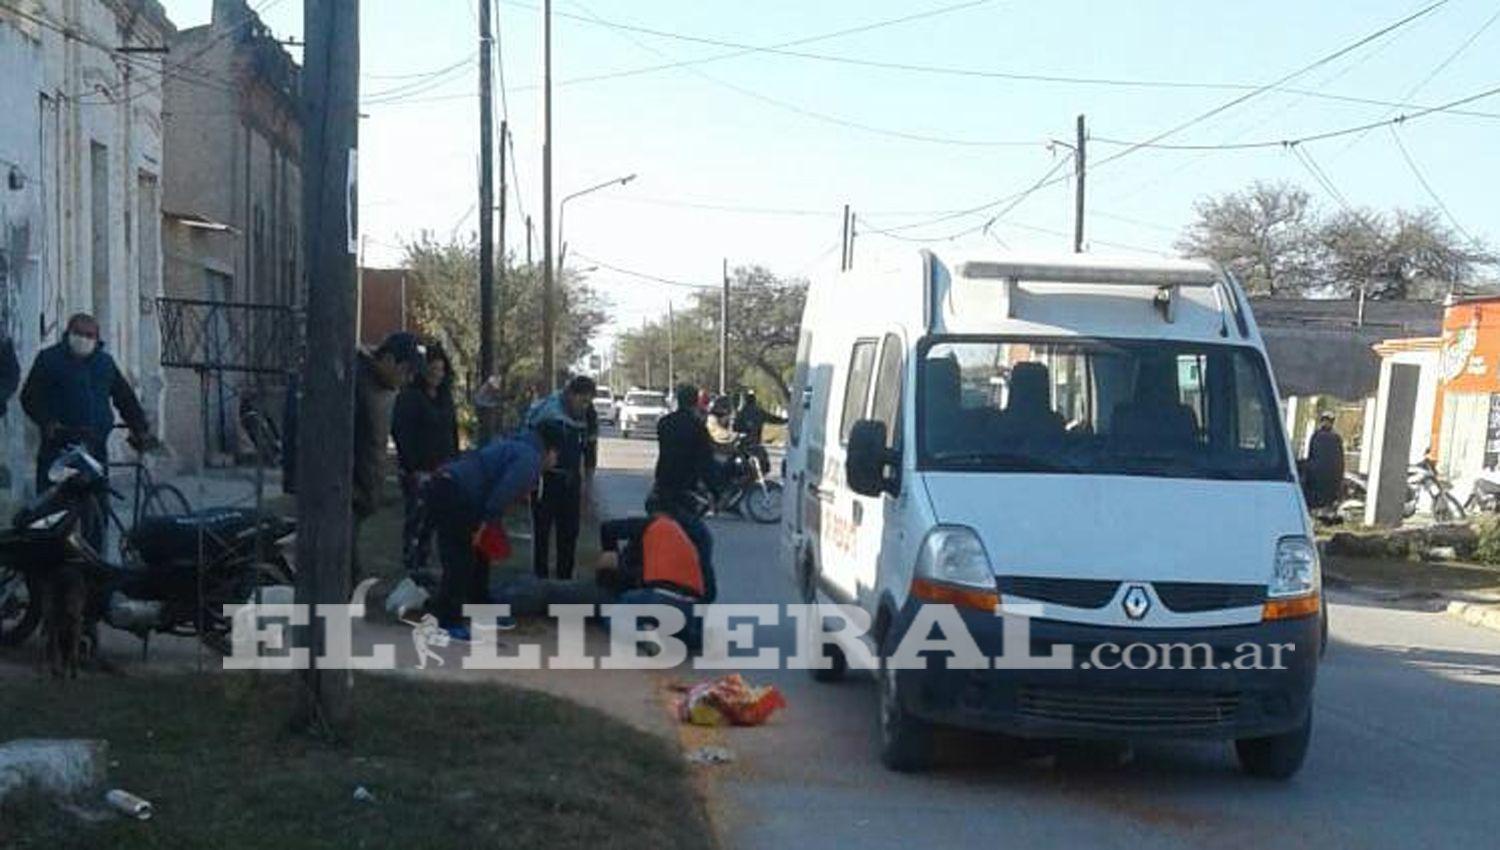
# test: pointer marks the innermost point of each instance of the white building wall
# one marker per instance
(60, 96)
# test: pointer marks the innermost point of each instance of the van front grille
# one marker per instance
(1131, 710)
(1190, 597)
(1072, 592)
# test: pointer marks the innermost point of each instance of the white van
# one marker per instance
(1092, 442)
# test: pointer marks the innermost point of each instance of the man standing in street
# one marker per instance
(468, 497)
(377, 377)
(560, 502)
(72, 393)
(685, 452)
(1325, 464)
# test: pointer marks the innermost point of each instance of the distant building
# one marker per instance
(232, 212)
(384, 303)
(80, 186)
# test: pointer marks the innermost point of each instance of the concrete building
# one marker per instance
(232, 225)
(80, 175)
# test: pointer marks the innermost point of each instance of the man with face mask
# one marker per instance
(72, 393)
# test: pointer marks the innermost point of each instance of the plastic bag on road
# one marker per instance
(729, 701)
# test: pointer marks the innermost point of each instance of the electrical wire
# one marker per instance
(1431, 193)
(643, 275)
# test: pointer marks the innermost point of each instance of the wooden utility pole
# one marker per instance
(528, 242)
(549, 356)
(671, 348)
(326, 443)
(724, 332)
(486, 211)
(1079, 160)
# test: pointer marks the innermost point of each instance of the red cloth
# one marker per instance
(491, 542)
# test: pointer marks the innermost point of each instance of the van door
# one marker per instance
(876, 519)
(839, 555)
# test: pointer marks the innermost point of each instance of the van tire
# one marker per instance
(905, 740)
(1275, 756)
(836, 671)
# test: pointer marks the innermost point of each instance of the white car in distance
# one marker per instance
(640, 410)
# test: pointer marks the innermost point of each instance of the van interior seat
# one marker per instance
(1028, 415)
(1156, 418)
(942, 397)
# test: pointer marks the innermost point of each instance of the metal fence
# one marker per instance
(226, 336)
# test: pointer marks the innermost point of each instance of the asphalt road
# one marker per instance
(1405, 752)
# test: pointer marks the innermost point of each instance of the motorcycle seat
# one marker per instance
(221, 530)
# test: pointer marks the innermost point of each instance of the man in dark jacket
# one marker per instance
(473, 491)
(751, 420)
(377, 376)
(424, 425)
(559, 504)
(1325, 464)
(685, 452)
(72, 393)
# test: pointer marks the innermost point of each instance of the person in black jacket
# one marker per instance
(685, 451)
(424, 425)
(1325, 464)
(751, 420)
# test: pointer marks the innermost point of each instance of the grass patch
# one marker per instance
(1413, 576)
(451, 765)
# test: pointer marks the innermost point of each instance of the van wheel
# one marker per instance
(1323, 629)
(905, 741)
(1275, 756)
(836, 671)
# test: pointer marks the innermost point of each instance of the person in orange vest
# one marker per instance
(660, 559)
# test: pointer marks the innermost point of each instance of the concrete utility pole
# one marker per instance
(844, 244)
(1079, 160)
(528, 242)
(671, 349)
(486, 211)
(549, 356)
(326, 443)
(724, 332)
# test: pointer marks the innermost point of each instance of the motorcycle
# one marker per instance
(1422, 481)
(745, 490)
(179, 571)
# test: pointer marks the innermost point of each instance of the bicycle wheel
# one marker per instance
(763, 502)
(165, 500)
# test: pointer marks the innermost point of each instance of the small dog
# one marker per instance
(66, 598)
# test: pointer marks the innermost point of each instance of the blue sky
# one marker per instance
(707, 136)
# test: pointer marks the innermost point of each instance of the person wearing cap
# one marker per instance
(558, 506)
(467, 498)
(1325, 464)
(378, 375)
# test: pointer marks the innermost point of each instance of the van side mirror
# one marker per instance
(868, 459)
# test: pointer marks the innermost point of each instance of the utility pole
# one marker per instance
(844, 244)
(1079, 160)
(528, 242)
(549, 356)
(326, 443)
(486, 212)
(724, 333)
(671, 348)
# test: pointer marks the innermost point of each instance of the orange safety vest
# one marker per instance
(668, 557)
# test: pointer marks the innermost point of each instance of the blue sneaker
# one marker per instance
(459, 633)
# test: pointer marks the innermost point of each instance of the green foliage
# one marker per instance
(445, 305)
(765, 314)
(1487, 549)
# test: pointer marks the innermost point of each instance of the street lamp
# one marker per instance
(562, 206)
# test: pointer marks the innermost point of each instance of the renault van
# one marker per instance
(1091, 444)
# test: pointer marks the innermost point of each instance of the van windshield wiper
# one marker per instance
(1008, 461)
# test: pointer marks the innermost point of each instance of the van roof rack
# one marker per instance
(1167, 276)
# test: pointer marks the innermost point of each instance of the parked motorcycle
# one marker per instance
(1422, 482)
(179, 571)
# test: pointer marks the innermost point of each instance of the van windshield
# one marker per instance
(1113, 407)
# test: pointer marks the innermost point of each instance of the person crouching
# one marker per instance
(467, 499)
(664, 558)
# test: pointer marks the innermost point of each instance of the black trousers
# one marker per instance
(556, 507)
(466, 576)
(416, 527)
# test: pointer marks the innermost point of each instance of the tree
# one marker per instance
(1403, 255)
(1266, 235)
(765, 313)
(445, 307)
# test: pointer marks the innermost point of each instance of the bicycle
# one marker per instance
(150, 498)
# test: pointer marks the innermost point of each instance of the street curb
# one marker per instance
(1484, 616)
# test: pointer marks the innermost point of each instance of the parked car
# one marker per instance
(604, 405)
(640, 410)
(1089, 442)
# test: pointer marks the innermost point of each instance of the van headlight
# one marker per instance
(953, 568)
(1296, 570)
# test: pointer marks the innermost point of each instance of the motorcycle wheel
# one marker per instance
(217, 635)
(762, 502)
(20, 606)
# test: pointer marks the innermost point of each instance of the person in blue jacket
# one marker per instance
(474, 490)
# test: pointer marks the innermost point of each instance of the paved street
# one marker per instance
(1406, 748)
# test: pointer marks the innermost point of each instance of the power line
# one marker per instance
(425, 83)
(643, 275)
(823, 116)
(1298, 140)
(1431, 193)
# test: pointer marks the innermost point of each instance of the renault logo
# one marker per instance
(1136, 602)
